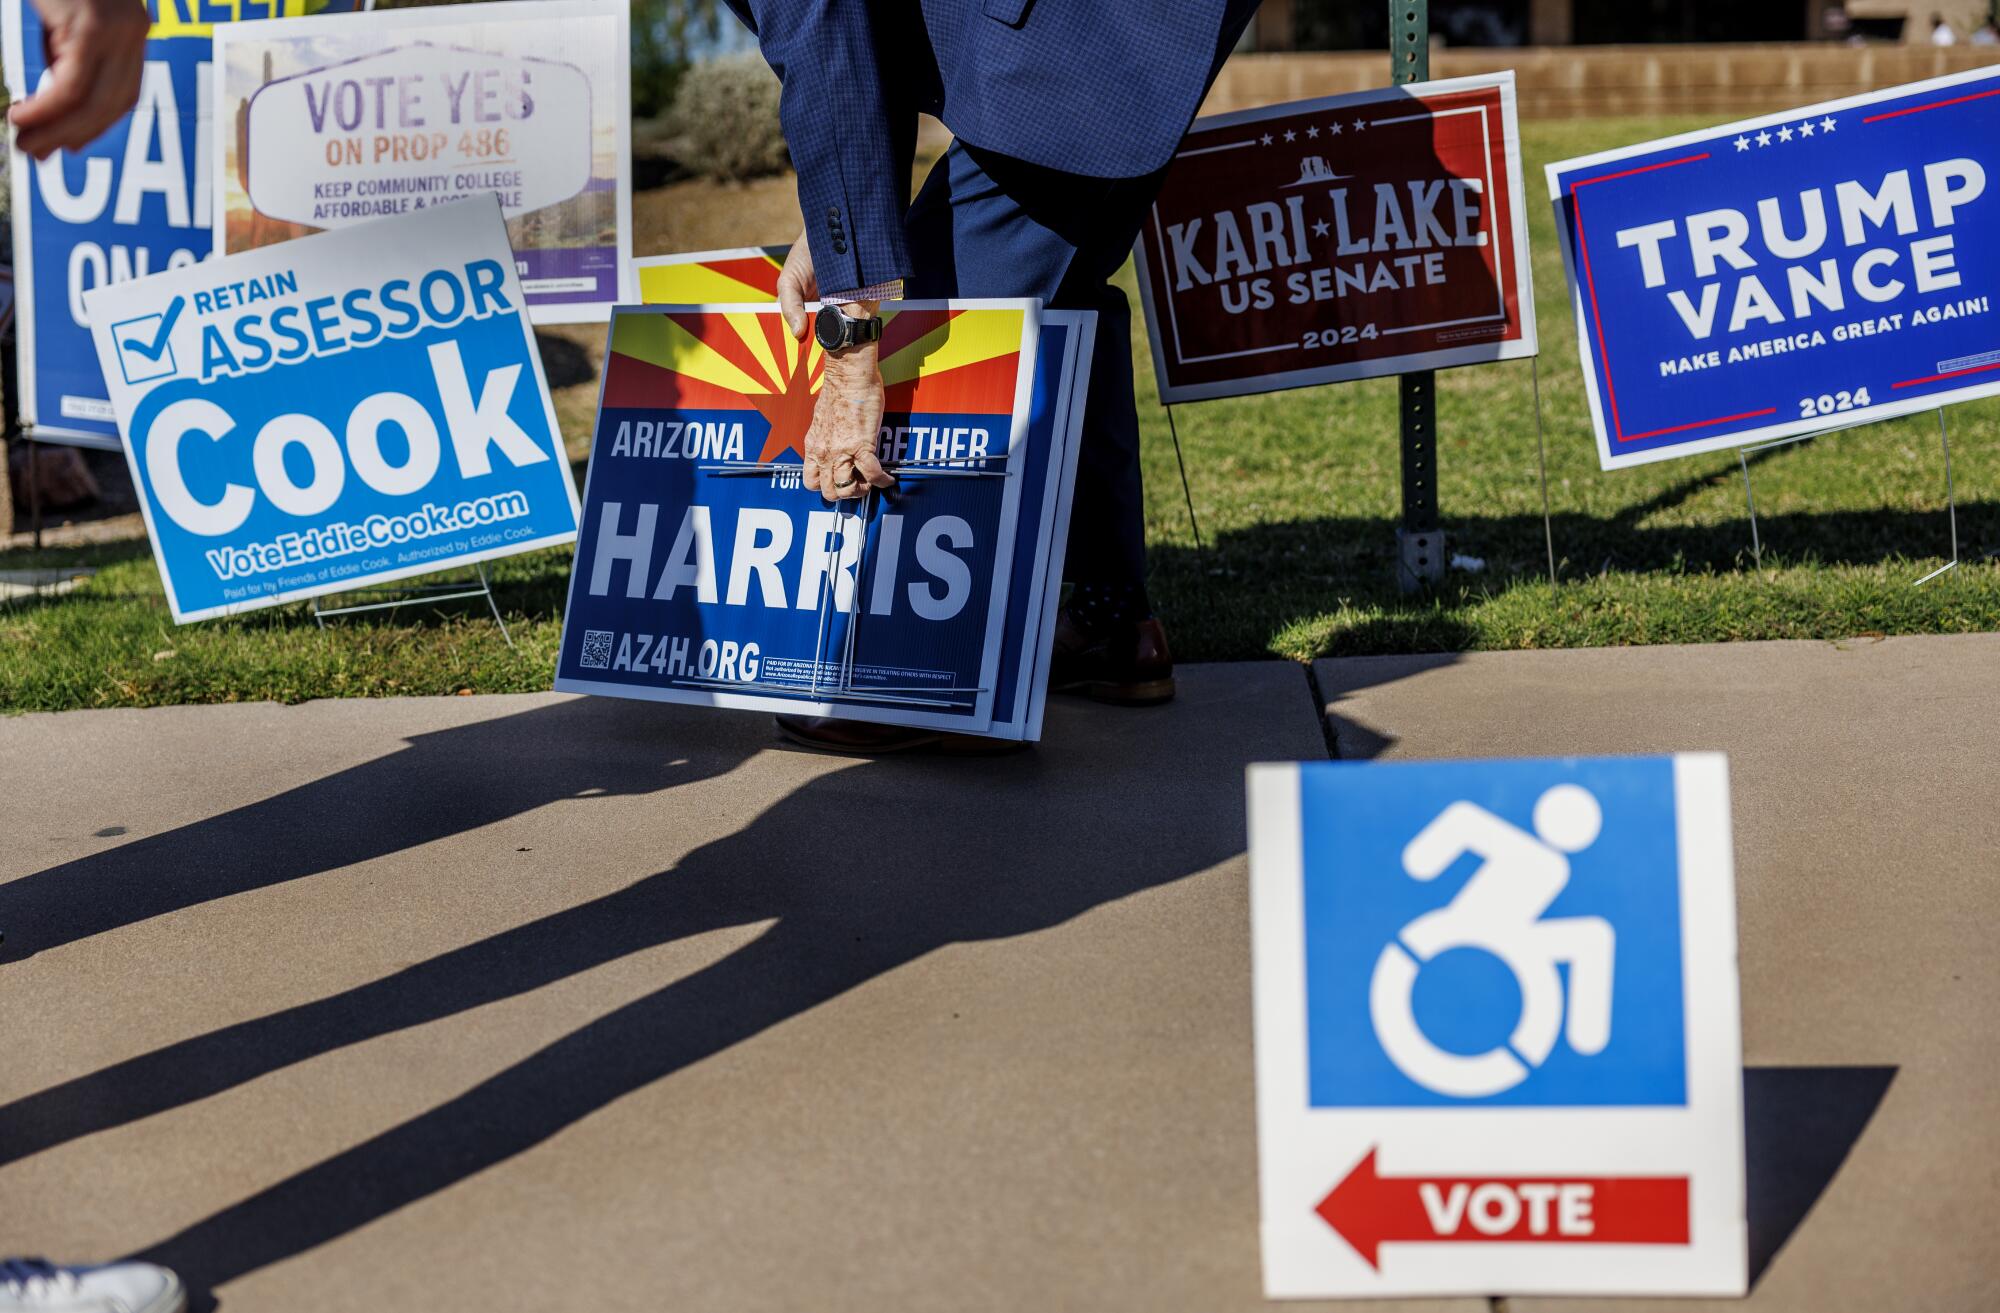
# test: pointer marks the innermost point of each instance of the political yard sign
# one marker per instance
(745, 274)
(1789, 274)
(1498, 1048)
(707, 574)
(1348, 237)
(324, 125)
(347, 409)
(131, 203)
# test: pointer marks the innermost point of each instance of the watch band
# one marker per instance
(836, 330)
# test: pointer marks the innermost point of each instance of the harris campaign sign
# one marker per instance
(324, 125)
(707, 574)
(347, 409)
(1341, 238)
(132, 203)
(1787, 274)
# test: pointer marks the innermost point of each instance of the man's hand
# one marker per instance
(840, 460)
(97, 55)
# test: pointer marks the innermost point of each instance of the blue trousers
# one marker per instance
(989, 225)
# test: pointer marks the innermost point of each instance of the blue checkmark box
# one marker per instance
(145, 344)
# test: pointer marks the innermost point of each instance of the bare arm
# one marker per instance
(97, 55)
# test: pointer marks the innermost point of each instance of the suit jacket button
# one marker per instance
(840, 248)
(833, 212)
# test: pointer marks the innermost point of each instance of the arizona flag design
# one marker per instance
(934, 362)
(748, 273)
(708, 572)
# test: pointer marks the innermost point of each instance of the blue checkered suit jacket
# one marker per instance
(1103, 88)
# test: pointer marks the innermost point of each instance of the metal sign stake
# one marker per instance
(1950, 504)
(1542, 460)
(1420, 554)
(417, 594)
(1186, 491)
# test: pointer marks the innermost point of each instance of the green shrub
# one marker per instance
(724, 120)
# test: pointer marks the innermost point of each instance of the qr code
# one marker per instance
(596, 649)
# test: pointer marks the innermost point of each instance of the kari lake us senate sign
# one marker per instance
(1341, 238)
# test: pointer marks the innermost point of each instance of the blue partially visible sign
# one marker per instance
(1504, 933)
(134, 202)
(350, 408)
(1788, 274)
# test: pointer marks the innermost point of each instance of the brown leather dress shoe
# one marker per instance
(861, 738)
(1128, 665)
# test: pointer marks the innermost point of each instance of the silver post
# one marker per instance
(491, 604)
(1950, 503)
(1756, 544)
(1542, 459)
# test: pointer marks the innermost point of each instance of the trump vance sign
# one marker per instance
(1347, 237)
(1789, 274)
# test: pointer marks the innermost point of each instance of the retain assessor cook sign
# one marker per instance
(1341, 238)
(1788, 274)
(345, 409)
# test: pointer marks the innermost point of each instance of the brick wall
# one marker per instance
(1565, 81)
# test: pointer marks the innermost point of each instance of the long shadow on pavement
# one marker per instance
(443, 784)
(1024, 842)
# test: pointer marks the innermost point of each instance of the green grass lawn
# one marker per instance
(1298, 496)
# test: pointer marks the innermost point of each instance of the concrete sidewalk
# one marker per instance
(1863, 777)
(544, 1003)
(551, 1003)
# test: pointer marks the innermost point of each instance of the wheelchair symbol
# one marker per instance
(1499, 911)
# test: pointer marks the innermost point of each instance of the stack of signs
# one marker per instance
(1347, 237)
(707, 574)
(323, 125)
(347, 409)
(1497, 1038)
(131, 203)
(1789, 274)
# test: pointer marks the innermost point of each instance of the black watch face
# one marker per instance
(830, 328)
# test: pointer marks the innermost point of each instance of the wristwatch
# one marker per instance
(837, 331)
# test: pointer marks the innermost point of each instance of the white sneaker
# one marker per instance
(32, 1285)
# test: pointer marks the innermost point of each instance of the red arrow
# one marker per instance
(1370, 1210)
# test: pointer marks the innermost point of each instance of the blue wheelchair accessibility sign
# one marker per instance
(1493, 933)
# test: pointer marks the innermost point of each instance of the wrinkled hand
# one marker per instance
(840, 460)
(97, 55)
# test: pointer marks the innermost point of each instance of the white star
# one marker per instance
(1320, 228)
(1312, 132)
(1806, 128)
(1267, 139)
(1290, 135)
(1360, 125)
(1335, 129)
(1743, 143)
(1826, 125)
(1763, 139)
(1784, 134)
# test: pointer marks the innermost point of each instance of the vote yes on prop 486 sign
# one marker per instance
(353, 407)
